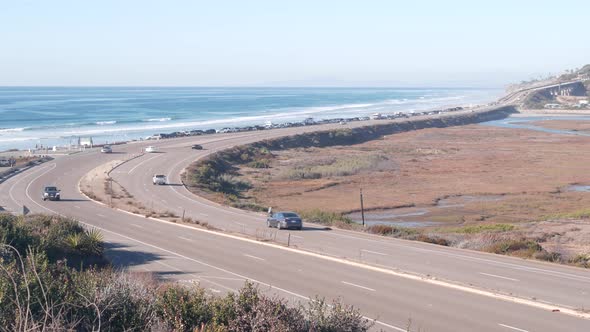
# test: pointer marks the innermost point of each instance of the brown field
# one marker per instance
(451, 177)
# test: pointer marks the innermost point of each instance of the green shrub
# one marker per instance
(581, 260)
(474, 229)
(261, 163)
(325, 217)
(183, 308)
(525, 247)
(388, 230)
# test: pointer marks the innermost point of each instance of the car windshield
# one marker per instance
(290, 215)
(50, 189)
(160, 176)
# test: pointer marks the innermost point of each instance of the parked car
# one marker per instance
(151, 149)
(51, 193)
(197, 147)
(106, 149)
(159, 179)
(284, 220)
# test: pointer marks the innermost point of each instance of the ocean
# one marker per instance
(48, 116)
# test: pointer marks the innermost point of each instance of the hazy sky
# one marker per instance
(297, 43)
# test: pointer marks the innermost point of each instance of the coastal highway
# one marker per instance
(367, 271)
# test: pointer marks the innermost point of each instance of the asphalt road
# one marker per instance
(222, 263)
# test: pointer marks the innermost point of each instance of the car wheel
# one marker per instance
(268, 224)
(299, 228)
(44, 199)
(279, 225)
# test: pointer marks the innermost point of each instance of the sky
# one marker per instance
(289, 43)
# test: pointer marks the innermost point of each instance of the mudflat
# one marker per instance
(577, 125)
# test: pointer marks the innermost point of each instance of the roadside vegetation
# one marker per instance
(54, 277)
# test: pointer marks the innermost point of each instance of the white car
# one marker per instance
(151, 149)
(159, 179)
(106, 149)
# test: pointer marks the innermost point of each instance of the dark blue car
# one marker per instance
(284, 220)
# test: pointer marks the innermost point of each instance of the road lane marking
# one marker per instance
(374, 252)
(359, 286)
(497, 276)
(76, 206)
(136, 225)
(222, 278)
(141, 163)
(19, 180)
(262, 259)
(512, 328)
(385, 270)
(297, 236)
(101, 215)
(185, 238)
(443, 252)
(204, 214)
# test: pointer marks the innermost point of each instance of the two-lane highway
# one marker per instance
(222, 263)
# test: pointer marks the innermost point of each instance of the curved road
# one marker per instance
(376, 274)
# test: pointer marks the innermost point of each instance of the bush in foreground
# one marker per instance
(39, 291)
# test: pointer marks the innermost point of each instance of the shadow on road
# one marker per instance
(316, 228)
(175, 184)
(122, 256)
(73, 200)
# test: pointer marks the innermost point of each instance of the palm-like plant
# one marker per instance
(93, 239)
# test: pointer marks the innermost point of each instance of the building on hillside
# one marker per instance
(552, 106)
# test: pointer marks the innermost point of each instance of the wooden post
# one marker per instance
(362, 208)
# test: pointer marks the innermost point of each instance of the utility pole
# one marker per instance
(362, 208)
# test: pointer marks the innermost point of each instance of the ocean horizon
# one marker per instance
(48, 116)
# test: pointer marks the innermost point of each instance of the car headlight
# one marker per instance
(56, 194)
(45, 194)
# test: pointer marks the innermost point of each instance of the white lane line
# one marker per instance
(222, 278)
(185, 238)
(76, 206)
(136, 225)
(19, 180)
(261, 259)
(444, 252)
(512, 328)
(141, 163)
(359, 286)
(297, 236)
(164, 201)
(374, 252)
(101, 215)
(204, 214)
(497, 276)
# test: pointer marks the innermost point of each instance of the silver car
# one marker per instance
(284, 220)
